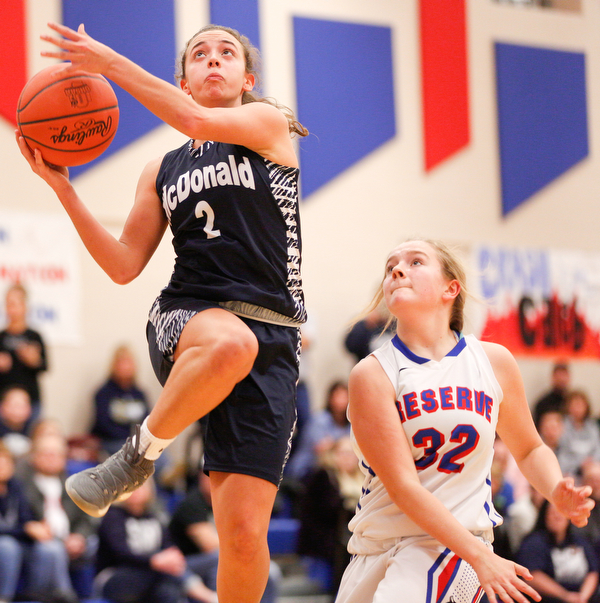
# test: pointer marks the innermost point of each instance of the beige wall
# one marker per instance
(350, 224)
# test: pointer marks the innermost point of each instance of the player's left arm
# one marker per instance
(535, 460)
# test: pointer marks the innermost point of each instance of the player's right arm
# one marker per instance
(382, 440)
(124, 258)
(260, 127)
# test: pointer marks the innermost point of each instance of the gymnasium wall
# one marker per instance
(475, 122)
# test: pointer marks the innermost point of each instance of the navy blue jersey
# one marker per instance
(236, 229)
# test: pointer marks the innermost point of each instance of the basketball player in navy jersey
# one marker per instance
(223, 334)
(424, 409)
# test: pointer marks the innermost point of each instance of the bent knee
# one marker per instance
(236, 349)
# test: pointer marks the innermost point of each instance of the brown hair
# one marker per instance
(452, 269)
(252, 60)
(579, 393)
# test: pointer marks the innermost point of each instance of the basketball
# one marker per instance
(71, 117)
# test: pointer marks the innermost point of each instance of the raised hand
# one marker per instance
(83, 52)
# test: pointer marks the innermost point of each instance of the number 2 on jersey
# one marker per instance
(431, 440)
(204, 209)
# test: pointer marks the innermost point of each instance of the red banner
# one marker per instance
(543, 303)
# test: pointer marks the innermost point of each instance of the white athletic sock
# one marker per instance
(152, 445)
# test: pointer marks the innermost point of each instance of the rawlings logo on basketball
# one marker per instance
(79, 95)
(70, 117)
(83, 130)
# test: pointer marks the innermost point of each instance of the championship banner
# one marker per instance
(40, 252)
(540, 302)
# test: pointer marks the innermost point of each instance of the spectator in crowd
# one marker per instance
(47, 426)
(119, 403)
(16, 420)
(521, 518)
(303, 401)
(321, 432)
(25, 547)
(22, 349)
(512, 475)
(563, 563)
(550, 426)
(590, 476)
(329, 502)
(555, 398)
(369, 333)
(503, 499)
(580, 440)
(73, 531)
(193, 531)
(137, 562)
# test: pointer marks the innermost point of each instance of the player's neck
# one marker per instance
(428, 341)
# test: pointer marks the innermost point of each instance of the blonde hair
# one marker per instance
(120, 351)
(252, 61)
(452, 269)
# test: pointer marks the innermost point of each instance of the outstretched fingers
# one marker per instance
(78, 47)
(67, 42)
(573, 501)
(66, 32)
(511, 588)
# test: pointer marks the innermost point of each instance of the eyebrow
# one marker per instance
(394, 256)
(202, 42)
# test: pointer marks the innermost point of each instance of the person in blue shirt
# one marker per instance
(562, 562)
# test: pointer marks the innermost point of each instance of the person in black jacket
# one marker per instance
(119, 403)
(137, 561)
(22, 349)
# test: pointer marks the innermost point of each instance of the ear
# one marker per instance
(249, 82)
(452, 289)
(184, 86)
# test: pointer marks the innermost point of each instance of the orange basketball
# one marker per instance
(70, 117)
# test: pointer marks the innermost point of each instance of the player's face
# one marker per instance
(215, 70)
(413, 274)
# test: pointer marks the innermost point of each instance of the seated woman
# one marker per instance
(563, 563)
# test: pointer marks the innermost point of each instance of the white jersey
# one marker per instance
(449, 411)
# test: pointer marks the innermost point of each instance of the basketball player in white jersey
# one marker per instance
(424, 410)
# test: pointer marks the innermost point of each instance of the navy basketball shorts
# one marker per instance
(250, 431)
